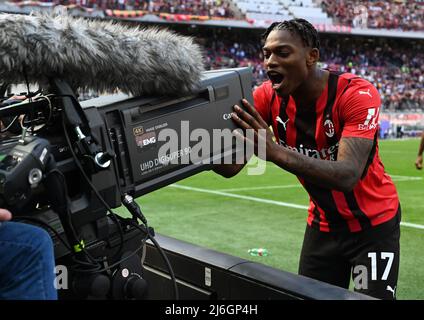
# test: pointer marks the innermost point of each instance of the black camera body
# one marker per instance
(76, 161)
(22, 170)
(92, 156)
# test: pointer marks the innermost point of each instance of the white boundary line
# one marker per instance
(260, 188)
(404, 178)
(393, 151)
(393, 176)
(277, 203)
(412, 225)
(232, 195)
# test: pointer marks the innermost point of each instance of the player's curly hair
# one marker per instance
(304, 29)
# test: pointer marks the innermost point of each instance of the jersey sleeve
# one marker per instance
(262, 100)
(359, 110)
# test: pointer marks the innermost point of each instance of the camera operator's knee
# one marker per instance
(27, 235)
(41, 241)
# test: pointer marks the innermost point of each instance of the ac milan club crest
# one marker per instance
(329, 128)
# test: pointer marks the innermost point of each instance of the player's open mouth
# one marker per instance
(276, 79)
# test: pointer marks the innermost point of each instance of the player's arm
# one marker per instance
(231, 169)
(419, 161)
(342, 174)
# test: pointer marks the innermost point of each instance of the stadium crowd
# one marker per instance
(398, 14)
(396, 68)
(212, 8)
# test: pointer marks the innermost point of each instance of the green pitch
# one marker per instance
(234, 215)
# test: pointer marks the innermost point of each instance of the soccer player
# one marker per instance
(419, 161)
(325, 124)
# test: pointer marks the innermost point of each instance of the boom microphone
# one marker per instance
(97, 55)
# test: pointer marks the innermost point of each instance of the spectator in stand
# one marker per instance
(403, 15)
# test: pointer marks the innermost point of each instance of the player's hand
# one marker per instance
(419, 162)
(5, 215)
(260, 135)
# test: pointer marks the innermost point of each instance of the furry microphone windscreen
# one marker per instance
(97, 55)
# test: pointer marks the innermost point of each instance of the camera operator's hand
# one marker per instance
(5, 215)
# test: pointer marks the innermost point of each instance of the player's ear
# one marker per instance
(312, 56)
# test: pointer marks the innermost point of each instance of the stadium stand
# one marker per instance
(215, 8)
(272, 10)
(391, 65)
(366, 17)
(394, 65)
(398, 14)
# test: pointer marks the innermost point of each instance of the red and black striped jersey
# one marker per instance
(348, 107)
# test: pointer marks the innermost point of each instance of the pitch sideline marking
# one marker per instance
(393, 176)
(260, 188)
(232, 195)
(403, 178)
(278, 203)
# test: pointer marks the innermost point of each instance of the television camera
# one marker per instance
(75, 161)
(65, 164)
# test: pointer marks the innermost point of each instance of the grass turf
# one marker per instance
(234, 225)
